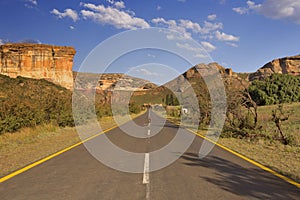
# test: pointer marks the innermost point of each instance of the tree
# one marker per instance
(167, 99)
(279, 116)
(276, 89)
(242, 114)
(171, 99)
(250, 104)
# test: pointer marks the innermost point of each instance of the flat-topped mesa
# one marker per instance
(38, 61)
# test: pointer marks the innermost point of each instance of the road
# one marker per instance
(76, 174)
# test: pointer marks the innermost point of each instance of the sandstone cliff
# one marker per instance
(287, 65)
(39, 61)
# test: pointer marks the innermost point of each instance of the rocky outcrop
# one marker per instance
(39, 61)
(208, 69)
(287, 65)
(111, 82)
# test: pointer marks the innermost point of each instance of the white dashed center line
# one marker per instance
(146, 169)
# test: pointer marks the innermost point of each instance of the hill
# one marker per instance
(29, 102)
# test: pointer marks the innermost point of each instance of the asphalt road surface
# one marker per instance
(76, 174)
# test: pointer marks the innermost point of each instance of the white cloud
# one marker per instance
(146, 72)
(119, 4)
(250, 6)
(226, 37)
(186, 27)
(232, 44)
(240, 10)
(210, 27)
(158, 8)
(212, 17)
(34, 2)
(31, 3)
(275, 9)
(188, 24)
(208, 46)
(110, 1)
(121, 18)
(67, 13)
(197, 51)
(209, 31)
(112, 16)
(175, 36)
(173, 25)
(1, 41)
(200, 55)
(188, 47)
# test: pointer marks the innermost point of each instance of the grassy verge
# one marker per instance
(31, 144)
(291, 127)
(281, 158)
(284, 159)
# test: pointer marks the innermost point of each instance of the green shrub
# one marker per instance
(276, 89)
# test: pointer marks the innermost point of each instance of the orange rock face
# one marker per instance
(39, 61)
(287, 65)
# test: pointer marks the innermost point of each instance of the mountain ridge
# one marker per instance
(54, 63)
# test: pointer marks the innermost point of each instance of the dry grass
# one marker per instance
(270, 152)
(31, 144)
(281, 158)
(284, 159)
(291, 127)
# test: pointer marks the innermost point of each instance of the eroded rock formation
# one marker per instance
(209, 69)
(111, 82)
(287, 65)
(39, 61)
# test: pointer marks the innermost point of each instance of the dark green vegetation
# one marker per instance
(170, 100)
(29, 102)
(243, 116)
(278, 88)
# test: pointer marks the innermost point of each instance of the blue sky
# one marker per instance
(243, 35)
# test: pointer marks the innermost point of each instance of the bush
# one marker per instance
(134, 108)
(276, 89)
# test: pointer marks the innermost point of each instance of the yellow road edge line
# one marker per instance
(251, 161)
(15, 173)
(245, 158)
(9, 176)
